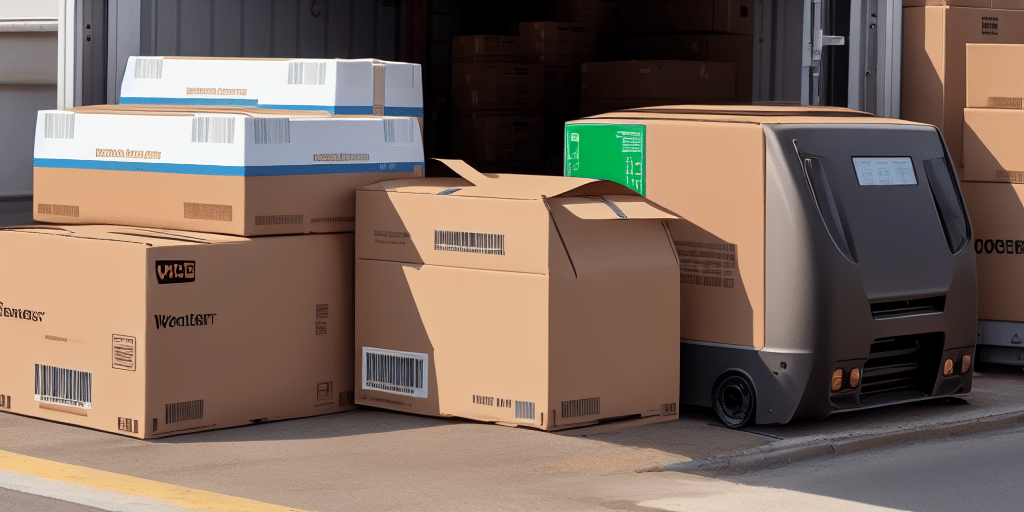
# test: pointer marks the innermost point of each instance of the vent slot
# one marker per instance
(947, 203)
(829, 206)
(63, 386)
(464, 241)
(183, 411)
(581, 407)
(218, 130)
(59, 125)
(202, 211)
(525, 410)
(901, 367)
(149, 68)
(901, 308)
(307, 73)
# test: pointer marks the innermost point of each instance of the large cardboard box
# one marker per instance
(719, 192)
(993, 145)
(738, 49)
(663, 79)
(219, 170)
(485, 86)
(483, 48)
(527, 300)
(151, 333)
(934, 77)
(995, 76)
(339, 86)
(997, 218)
(556, 43)
(498, 138)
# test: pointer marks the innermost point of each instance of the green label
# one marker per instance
(613, 152)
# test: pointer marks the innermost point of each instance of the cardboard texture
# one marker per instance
(997, 218)
(486, 48)
(218, 169)
(474, 288)
(992, 145)
(724, 219)
(170, 332)
(934, 77)
(995, 76)
(498, 138)
(663, 79)
(497, 86)
(339, 86)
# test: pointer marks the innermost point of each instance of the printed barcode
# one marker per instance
(701, 280)
(183, 411)
(273, 220)
(213, 129)
(581, 407)
(463, 241)
(272, 131)
(63, 386)
(149, 68)
(307, 73)
(59, 125)
(403, 373)
(525, 410)
(398, 131)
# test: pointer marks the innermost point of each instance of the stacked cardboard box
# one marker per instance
(993, 186)
(497, 101)
(471, 291)
(169, 331)
(619, 85)
(934, 73)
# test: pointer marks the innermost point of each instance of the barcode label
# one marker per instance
(272, 131)
(581, 407)
(525, 410)
(464, 241)
(183, 411)
(62, 386)
(393, 371)
(59, 125)
(149, 68)
(398, 131)
(307, 73)
(219, 130)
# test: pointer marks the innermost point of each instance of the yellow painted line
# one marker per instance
(188, 499)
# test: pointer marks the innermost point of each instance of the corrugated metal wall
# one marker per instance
(275, 28)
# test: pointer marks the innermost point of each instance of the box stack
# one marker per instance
(993, 187)
(182, 311)
(497, 101)
(935, 38)
(471, 292)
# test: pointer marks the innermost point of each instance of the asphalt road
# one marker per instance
(978, 472)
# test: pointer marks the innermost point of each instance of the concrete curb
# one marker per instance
(788, 451)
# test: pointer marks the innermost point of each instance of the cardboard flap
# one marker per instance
(434, 186)
(613, 207)
(521, 186)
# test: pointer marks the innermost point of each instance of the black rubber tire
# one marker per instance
(734, 400)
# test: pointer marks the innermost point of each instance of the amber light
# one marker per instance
(965, 364)
(854, 377)
(947, 368)
(837, 379)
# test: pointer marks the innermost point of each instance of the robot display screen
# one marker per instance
(885, 170)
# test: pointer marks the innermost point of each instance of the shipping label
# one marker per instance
(614, 152)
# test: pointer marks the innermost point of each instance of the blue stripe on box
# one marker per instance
(228, 170)
(404, 111)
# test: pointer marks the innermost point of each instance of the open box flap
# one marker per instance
(521, 186)
(611, 207)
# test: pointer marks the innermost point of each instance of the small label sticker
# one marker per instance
(128, 425)
(325, 393)
(394, 371)
(614, 152)
(707, 264)
(123, 352)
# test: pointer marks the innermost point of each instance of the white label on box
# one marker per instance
(393, 371)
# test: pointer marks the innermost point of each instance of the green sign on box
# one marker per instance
(613, 152)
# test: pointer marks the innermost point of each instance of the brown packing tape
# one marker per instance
(378, 89)
(1007, 103)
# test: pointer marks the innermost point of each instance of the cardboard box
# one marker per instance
(339, 86)
(497, 86)
(663, 79)
(997, 218)
(722, 238)
(152, 333)
(558, 43)
(993, 149)
(934, 77)
(217, 170)
(995, 76)
(497, 138)
(486, 48)
(476, 288)
(738, 49)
